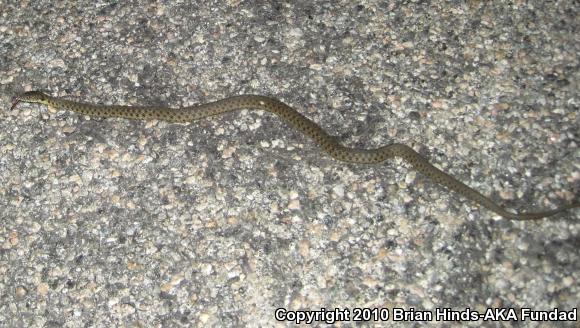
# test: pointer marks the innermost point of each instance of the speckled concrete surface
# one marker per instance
(218, 223)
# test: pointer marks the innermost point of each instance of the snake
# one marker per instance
(325, 141)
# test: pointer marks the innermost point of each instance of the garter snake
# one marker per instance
(299, 122)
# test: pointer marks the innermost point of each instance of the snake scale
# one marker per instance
(299, 122)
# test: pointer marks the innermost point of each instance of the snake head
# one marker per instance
(31, 97)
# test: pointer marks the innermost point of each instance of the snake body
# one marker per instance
(299, 122)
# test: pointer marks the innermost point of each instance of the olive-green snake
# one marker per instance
(299, 122)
